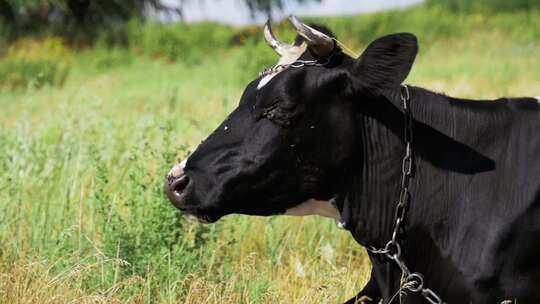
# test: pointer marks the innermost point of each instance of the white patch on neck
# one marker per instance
(538, 98)
(291, 55)
(315, 207)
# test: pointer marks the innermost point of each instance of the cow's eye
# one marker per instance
(281, 113)
(270, 112)
(267, 112)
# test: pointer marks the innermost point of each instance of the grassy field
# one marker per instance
(82, 215)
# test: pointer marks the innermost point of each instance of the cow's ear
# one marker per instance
(387, 61)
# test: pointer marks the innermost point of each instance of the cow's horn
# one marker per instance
(317, 41)
(278, 46)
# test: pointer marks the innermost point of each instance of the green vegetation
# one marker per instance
(34, 63)
(82, 215)
(489, 6)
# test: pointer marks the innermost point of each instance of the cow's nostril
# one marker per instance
(180, 184)
(175, 189)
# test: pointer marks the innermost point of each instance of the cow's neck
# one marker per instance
(368, 208)
(369, 205)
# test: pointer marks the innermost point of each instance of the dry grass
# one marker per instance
(295, 277)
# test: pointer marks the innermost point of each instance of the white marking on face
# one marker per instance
(266, 79)
(538, 98)
(315, 207)
(291, 55)
(178, 169)
(183, 163)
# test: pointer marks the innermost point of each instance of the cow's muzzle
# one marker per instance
(176, 186)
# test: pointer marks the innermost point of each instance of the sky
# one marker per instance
(235, 11)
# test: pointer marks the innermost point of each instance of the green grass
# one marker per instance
(82, 215)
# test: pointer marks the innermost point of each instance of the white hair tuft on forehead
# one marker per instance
(291, 55)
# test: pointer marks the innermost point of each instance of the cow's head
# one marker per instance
(293, 135)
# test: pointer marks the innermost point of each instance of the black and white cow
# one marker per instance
(322, 133)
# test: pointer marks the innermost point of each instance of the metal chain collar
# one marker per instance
(299, 64)
(411, 281)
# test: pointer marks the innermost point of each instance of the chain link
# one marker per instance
(413, 281)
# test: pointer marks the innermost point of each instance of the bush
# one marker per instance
(16, 74)
(54, 49)
(108, 58)
(136, 221)
(189, 44)
(35, 63)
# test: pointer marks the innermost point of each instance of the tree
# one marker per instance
(6, 11)
(69, 16)
(79, 13)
